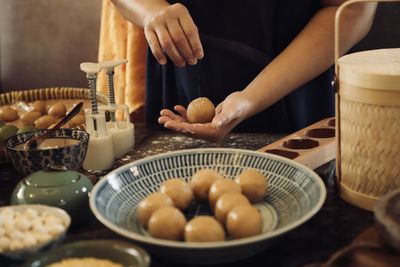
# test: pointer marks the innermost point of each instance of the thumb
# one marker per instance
(224, 116)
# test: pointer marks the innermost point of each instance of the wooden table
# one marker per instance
(335, 225)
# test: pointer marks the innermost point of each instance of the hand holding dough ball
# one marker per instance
(200, 110)
(30, 117)
(167, 223)
(179, 191)
(45, 121)
(204, 229)
(150, 204)
(227, 202)
(39, 106)
(254, 184)
(201, 183)
(8, 114)
(58, 110)
(244, 221)
(220, 187)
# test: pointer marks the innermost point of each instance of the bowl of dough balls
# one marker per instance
(207, 206)
(28, 229)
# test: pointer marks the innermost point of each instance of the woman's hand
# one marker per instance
(171, 32)
(229, 113)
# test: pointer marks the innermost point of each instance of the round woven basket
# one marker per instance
(46, 94)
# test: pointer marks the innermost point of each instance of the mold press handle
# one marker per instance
(335, 82)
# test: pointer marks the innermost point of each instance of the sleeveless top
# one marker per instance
(239, 39)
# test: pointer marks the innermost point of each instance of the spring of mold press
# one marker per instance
(93, 99)
(111, 91)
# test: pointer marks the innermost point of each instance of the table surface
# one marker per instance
(333, 227)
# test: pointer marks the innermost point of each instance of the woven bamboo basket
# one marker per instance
(46, 94)
(368, 123)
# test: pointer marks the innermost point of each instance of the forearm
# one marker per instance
(309, 54)
(136, 10)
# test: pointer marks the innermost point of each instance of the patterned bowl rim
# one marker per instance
(81, 141)
(209, 245)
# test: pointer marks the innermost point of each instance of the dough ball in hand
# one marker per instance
(220, 187)
(167, 223)
(201, 183)
(244, 221)
(179, 191)
(254, 184)
(200, 110)
(150, 204)
(204, 229)
(227, 202)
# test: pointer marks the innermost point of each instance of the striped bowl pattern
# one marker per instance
(296, 193)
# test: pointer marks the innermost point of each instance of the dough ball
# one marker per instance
(201, 183)
(244, 221)
(200, 110)
(220, 187)
(167, 223)
(45, 121)
(204, 229)
(77, 120)
(58, 110)
(254, 184)
(150, 204)
(40, 106)
(30, 117)
(8, 114)
(179, 191)
(226, 203)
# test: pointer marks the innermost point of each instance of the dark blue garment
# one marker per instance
(239, 39)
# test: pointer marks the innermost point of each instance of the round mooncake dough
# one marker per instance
(30, 117)
(179, 191)
(167, 223)
(8, 114)
(244, 221)
(58, 110)
(201, 182)
(200, 110)
(77, 120)
(150, 204)
(40, 106)
(254, 184)
(220, 187)
(45, 121)
(227, 202)
(204, 229)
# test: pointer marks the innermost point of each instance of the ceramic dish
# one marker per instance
(69, 156)
(122, 253)
(29, 251)
(296, 193)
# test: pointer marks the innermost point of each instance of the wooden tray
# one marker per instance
(312, 146)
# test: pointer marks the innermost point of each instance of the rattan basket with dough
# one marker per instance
(46, 94)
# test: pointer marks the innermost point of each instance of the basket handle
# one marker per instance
(335, 82)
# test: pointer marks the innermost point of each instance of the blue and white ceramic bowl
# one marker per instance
(296, 193)
(29, 161)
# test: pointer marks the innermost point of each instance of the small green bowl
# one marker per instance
(116, 251)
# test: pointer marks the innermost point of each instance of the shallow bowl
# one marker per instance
(23, 253)
(29, 161)
(296, 193)
(118, 252)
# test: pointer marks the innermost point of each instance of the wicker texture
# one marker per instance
(369, 147)
(49, 93)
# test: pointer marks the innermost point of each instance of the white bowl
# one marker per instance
(28, 251)
(296, 193)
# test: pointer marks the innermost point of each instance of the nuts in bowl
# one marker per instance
(27, 229)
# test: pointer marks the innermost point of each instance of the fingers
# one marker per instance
(169, 47)
(168, 113)
(181, 42)
(182, 111)
(192, 35)
(155, 47)
(182, 127)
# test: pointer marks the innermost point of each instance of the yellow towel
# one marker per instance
(120, 39)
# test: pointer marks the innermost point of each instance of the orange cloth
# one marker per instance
(120, 39)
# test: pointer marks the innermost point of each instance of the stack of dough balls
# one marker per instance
(231, 201)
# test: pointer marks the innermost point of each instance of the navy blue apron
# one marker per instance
(239, 39)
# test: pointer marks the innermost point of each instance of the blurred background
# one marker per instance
(42, 42)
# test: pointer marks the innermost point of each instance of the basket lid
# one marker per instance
(373, 69)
